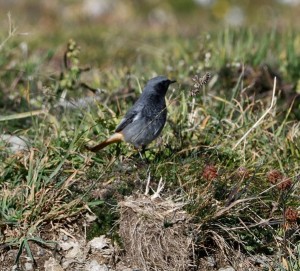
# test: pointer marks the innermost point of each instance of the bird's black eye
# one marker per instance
(161, 85)
(166, 83)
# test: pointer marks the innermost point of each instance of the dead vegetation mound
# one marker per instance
(155, 233)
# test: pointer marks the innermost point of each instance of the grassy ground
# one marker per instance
(231, 152)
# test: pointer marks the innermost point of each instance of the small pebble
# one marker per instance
(28, 266)
(227, 268)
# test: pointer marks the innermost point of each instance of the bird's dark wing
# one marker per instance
(129, 118)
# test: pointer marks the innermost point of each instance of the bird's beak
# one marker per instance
(172, 81)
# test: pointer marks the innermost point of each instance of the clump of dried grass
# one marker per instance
(155, 233)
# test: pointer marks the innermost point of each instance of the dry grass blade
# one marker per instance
(22, 115)
(233, 204)
(11, 31)
(273, 101)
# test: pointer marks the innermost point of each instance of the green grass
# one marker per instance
(54, 181)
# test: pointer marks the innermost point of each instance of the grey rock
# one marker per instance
(99, 243)
(15, 143)
(95, 266)
(227, 268)
(52, 265)
(28, 266)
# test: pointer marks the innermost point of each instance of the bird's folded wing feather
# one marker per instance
(130, 117)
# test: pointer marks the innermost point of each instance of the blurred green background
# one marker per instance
(109, 30)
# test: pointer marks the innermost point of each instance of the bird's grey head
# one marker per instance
(158, 85)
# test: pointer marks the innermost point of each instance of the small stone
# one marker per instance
(52, 265)
(40, 251)
(67, 245)
(73, 251)
(95, 266)
(15, 143)
(99, 243)
(28, 266)
(90, 218)
(227, 268)
(210, 261)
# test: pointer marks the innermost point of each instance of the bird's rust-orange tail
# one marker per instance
(117, 137)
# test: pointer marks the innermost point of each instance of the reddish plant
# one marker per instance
(243, 172)
(285, 184)
(210, 172)
(274, 176)
(291, 215)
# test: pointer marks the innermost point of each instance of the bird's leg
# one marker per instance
(143, 149)
(142, 153)
(141, 156)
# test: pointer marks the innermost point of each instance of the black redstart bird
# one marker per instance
(145, 120)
